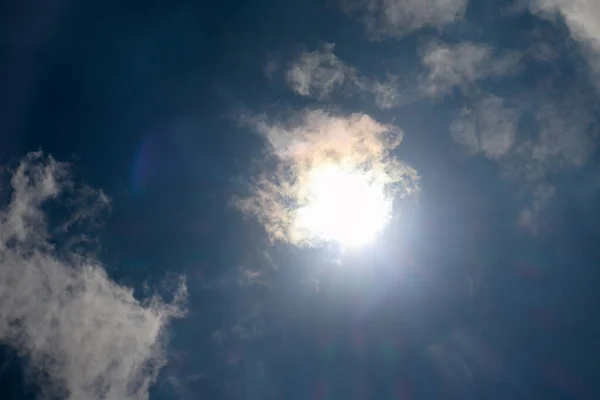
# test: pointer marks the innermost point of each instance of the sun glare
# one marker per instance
(343, 206)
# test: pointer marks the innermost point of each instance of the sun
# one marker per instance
(342, 205)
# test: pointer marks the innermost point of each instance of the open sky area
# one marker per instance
(299, 200)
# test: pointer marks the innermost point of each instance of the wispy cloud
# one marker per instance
(396, 18)
(310, 139)
(460, 65)
(85, 336)
(320, 73)
(562, 135)
(489, 127)
(386, 94)
(559, 135)
(528, 218)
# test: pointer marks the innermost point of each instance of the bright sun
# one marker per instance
(343, 206)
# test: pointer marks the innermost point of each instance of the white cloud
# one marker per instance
(459, 65)
(397, 18)
(559, 132)
(85, 336)
(583, 19)
(489, 128)
(320, 73)
(311, 139)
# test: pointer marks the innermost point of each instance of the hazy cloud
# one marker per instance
(566, 137)
(386, 94)
(459, 65)
(489, 127)
(397, 18)
(85, 336)
(529, 217)
(560, 135)
(272, 65)
(314, 138)
(320, 73)
(583, 19)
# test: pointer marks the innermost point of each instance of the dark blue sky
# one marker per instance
(484, 285)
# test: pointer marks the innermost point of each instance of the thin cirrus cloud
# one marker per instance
(84, 336)
(320, 73)
(310, 139)
(397, 18)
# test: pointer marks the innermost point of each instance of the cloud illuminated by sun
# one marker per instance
(341, 205)
(335, 179)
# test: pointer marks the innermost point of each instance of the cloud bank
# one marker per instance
(315, 138)
(397, 18)
(84, 336)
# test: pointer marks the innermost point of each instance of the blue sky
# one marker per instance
(156, 157)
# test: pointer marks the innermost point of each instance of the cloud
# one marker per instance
(271, 65)
(320, 73)
(563, 136)
(462, 64)
(552, 129)
(397, 18)
(489, 128)
(85, 336)
(387, 94)
(314, 138)
(528, 218)
(583, 20)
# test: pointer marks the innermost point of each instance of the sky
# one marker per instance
(311, 200)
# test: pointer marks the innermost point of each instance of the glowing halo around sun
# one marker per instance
(342, 206)
(333, 180)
